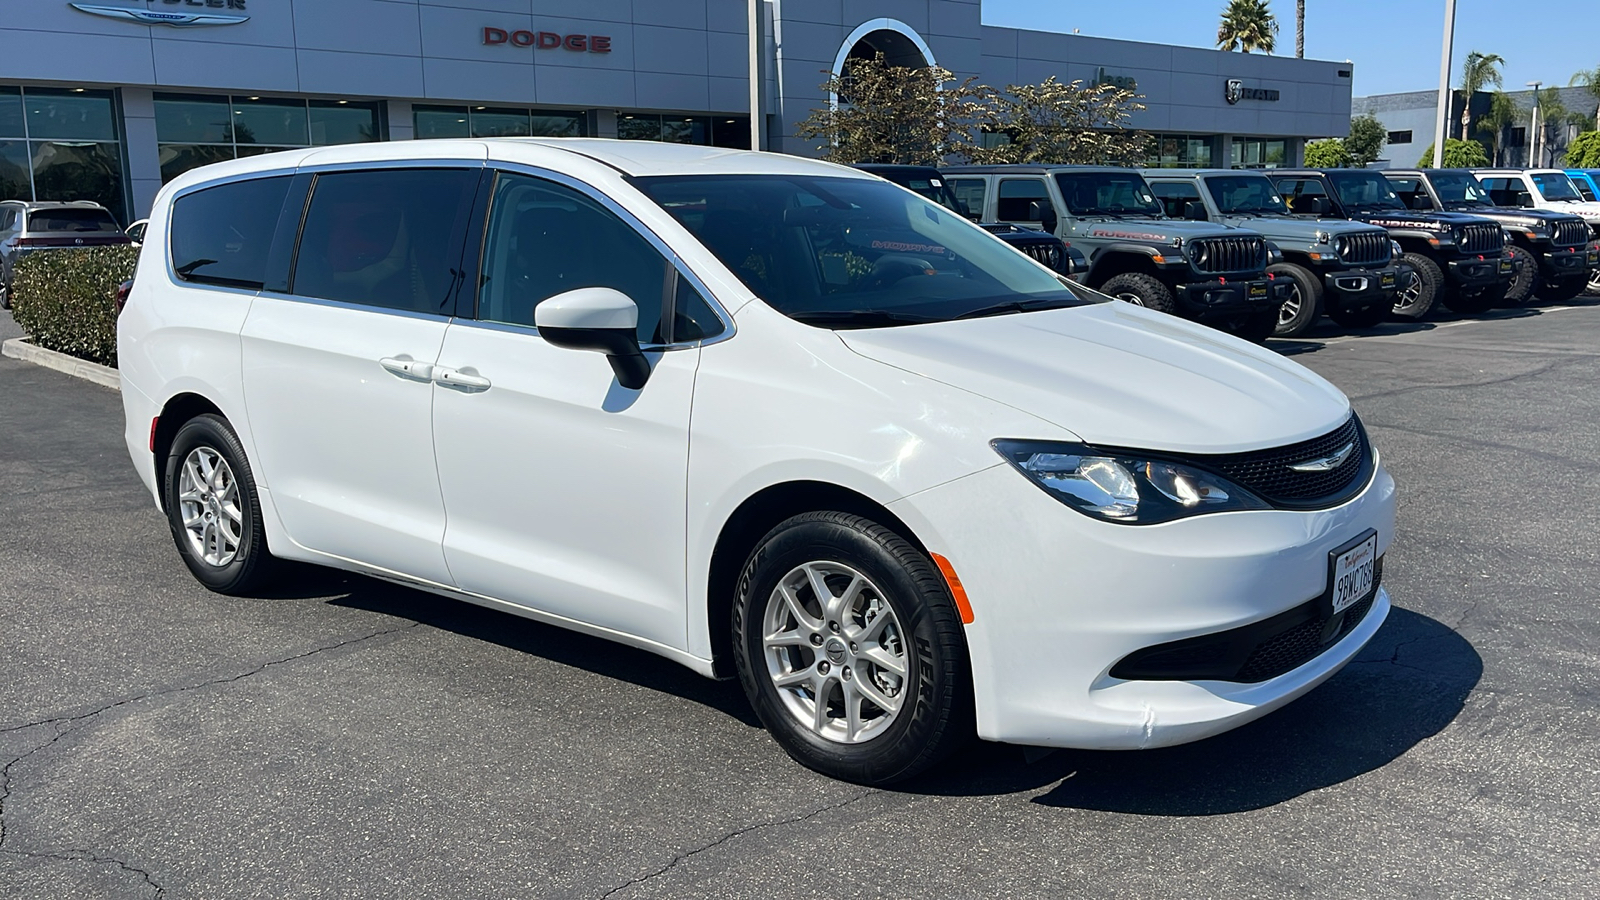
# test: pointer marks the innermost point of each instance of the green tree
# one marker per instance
(1584, 151)
(1503, 113)
(896, 114)
(1457, 155)
(1590, 78)
(1061, 123)
(1367, 136)
(1478, 72)
(1247, 25)
(1328, 154)
(1554, 118)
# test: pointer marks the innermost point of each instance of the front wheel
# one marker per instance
(1520, 291)
(1303, 306)
(1594, 282)
(1141, 290)
(850, 649)
(1419, 288)
(213, 508)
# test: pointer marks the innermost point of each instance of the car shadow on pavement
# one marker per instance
(1404, 687)
(1317, 337)
(569, 648)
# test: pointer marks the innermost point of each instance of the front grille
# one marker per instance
(1050, 253)
(1229, 254)
(1266, 473)
(1572, 233)
(1484, 238)
(1366, 249)
(1250, 653)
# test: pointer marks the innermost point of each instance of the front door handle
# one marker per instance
(461, 381)
(406, 367)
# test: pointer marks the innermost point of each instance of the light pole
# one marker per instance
(756, 113)
(1533, 140)
(1441, 124)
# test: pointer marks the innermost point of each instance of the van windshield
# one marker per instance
(853, 252)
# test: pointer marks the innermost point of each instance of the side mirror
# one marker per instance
(1045, 212)
(1194, 211)
(1420, 201)
(1523, 198)
(1320, 206)
(601, 319)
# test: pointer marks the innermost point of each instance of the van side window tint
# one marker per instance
(389, 238)
(221, 235)
(692, 318)
(1016, 199)
(970, 193)
(546, 239)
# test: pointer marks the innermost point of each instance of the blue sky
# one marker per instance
(1393, 43)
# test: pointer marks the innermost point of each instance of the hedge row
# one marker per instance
(65, 299)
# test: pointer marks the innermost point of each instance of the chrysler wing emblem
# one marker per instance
(152, 17)
(1326, 463)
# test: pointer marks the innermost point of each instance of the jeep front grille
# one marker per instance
(1229, 254)
(1050, 253)
(1364, 249)
(1484, 238)
(1571, 233)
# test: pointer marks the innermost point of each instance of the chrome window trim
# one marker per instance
(632, 221)
(354, 307)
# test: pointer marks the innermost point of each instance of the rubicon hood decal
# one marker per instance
(155, 17)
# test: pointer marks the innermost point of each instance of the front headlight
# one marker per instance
(1324, 237)
(1121, 487)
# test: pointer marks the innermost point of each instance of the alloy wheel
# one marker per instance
(836, 652)
(1291, 307)
(1135, 299)
(1409, 293)
(1594, 281)
(208, 503)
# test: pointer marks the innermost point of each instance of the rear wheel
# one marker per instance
(1141, 290)
(5, 296)
(1303, 306)
(1419, 289)
(850, 649)
(1520, 291)
(213, 509)
(1594, 282)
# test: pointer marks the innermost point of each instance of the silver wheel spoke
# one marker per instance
(793, 678)
(876, 697)
(852, 712)
(824, 691)
(232, 512)
(874, 628)
(819, 586)
(797, 610)
(208, 507)
(787, 639)
(884, 660)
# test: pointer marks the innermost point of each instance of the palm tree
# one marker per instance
(1503, 113)
(1300, 29)
(1590, 78)
(1478, 72)
(1247, 25)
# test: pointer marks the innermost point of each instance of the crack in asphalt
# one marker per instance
(730, 836)
(65, 725)
(1531, 373)
(88, 856)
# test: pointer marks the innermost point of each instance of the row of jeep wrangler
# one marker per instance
(1268, 253)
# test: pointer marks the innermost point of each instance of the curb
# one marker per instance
(21, 348)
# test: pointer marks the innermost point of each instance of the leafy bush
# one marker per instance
(1329, 154)
(64, 299)
(1458, 154)
(1584, 151)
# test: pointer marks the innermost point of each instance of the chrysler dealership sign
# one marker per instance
(177, 13)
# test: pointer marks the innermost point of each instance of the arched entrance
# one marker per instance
(897, 41)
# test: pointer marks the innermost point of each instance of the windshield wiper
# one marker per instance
(1018, 306)
(860, 318)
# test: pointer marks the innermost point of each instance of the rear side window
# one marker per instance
(1175, 195)
(389, 238)
(222, 235)
(1502, 191)
(1300, 192)
(1016, 199)
(970, 193)
(76, 220)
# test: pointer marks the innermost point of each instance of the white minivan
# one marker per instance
(766, 416)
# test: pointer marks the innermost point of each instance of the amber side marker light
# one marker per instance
(957, 592)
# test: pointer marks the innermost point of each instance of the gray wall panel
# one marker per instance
(224, 66)
(465, 81)
(523, 7)
(911, 12)
(567, 86)
(678, 51)
(727, 54)
(678, 92)
(806, 40)
(78, 59)
(362, 26)
(677, 14)
(327, 72)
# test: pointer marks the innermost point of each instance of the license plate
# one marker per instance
(1387, 279)
(1353, 569)
(1505, 266)
(1258, 292)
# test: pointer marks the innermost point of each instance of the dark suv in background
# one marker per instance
(1551, 248)
(926, 180)
(27, 227)
(1454, 258)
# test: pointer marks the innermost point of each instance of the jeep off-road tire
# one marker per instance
(1304, 304)
(1520, 291)
(1421, 290)
(1141, 290)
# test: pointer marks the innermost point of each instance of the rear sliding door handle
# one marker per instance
(406, 367)
(461, 381)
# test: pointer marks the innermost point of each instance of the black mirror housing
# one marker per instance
(1320, 206)
(1195, 211)
(1045, 212)
(620, 345)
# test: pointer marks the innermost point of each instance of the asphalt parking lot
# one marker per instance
(348, 738)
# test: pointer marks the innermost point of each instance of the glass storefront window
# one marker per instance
(70, 115)
(257, 121)
(639, 127)
(686, 129)
(177, 159)
(79, 170)
(200, 120)
(61, 144)
(15, 181)
(11, 113)
(491, 123)
(194, 130)
(731, 131)
(440, 122)
(343, 122)
(557, 124)
(1259, 153)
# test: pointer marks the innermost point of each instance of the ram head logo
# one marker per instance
(1234, 90)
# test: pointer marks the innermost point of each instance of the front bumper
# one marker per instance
(1360, 288)
(1476, 273)
(1060, 598)
(1568, 262)
(1225, 296)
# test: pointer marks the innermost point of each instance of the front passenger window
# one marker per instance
(546, 239)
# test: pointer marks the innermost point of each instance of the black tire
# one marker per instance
(1520, 291)
(250, 566)
(1141, 290)
(5, 296)
(1359, 317)
(1563, 290)
(1257, 326)
(1305, 304)
(1481, 302)
(936, 691)
(1593, 288)
(1417, 294)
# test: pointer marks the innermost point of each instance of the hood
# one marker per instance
(1518, 215)
(1423, 221)
(1118, 375)
(1299, 227)
(1588, 210)
(1151, 229)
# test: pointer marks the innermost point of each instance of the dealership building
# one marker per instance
(107, 99)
